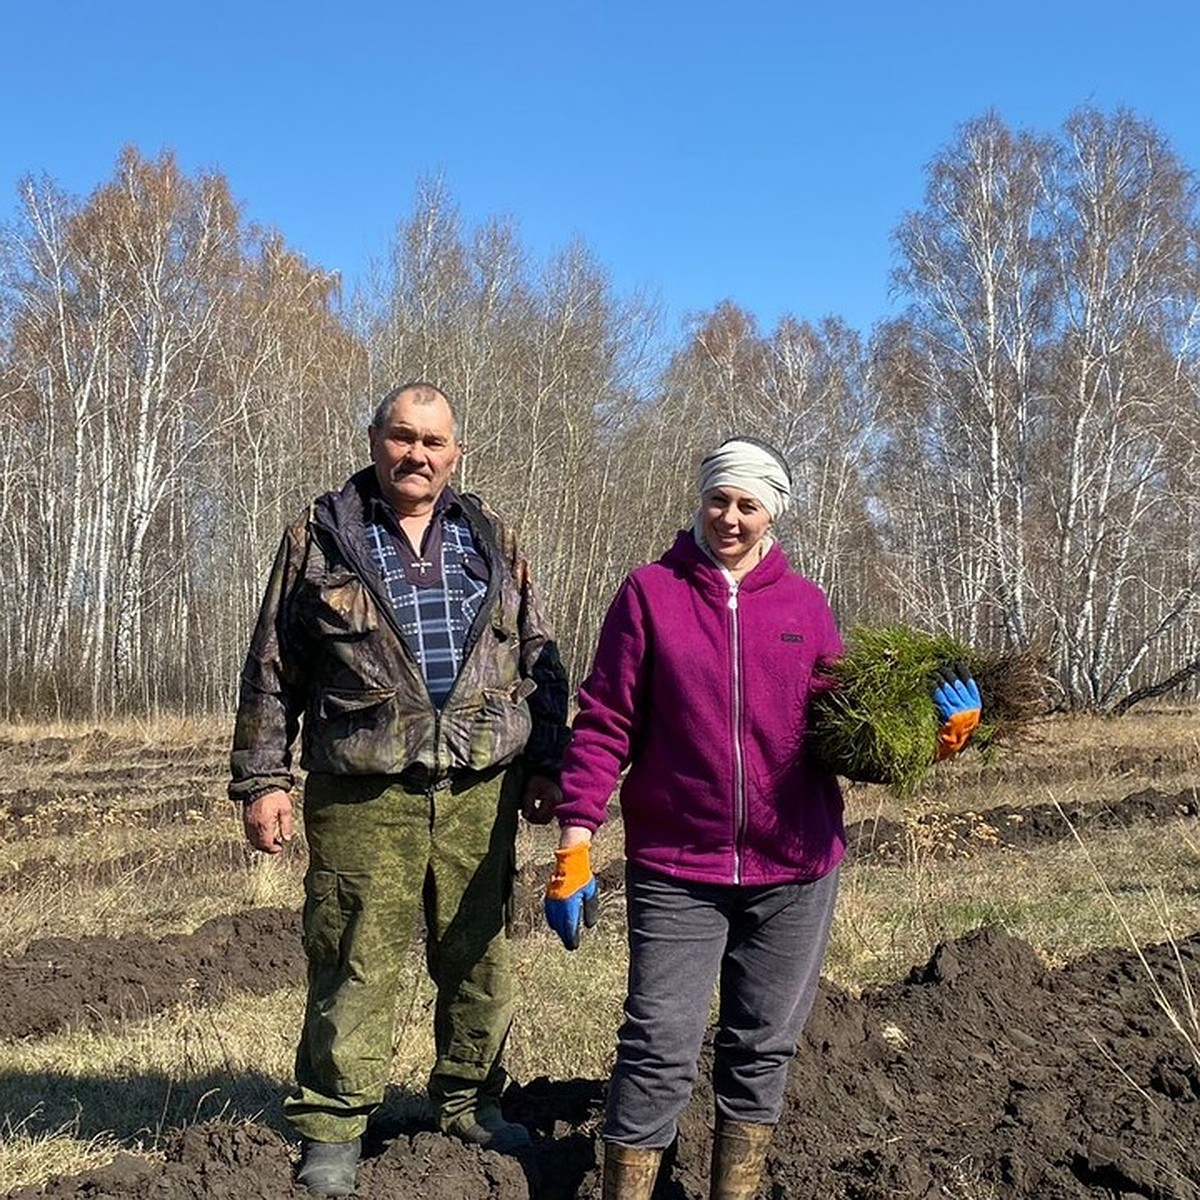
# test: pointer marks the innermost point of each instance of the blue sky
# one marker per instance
(758, 152)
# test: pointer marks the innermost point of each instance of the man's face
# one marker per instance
(414, 452)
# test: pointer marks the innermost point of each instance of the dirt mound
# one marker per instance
(981, 1073)
(222, 1161)
(985, 1065)
(60, 982)
(214, 1161)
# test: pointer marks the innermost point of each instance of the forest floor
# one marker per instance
(1009, 1009)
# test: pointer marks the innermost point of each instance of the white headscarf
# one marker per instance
(751, 466)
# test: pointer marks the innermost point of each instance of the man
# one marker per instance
(402, 631)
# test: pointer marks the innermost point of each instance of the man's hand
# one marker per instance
(956, 697)
(541, 797)
(572, 899)
(268, 821)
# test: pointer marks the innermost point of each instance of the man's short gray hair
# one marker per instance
(422, 392)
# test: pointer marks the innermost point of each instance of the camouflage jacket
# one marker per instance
(327, 660)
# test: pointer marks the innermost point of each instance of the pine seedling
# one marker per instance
(877, 721)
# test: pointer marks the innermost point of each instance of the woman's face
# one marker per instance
(733, 523)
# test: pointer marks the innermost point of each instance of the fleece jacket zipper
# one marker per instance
(739, 762)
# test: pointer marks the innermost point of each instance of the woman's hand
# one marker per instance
(572, 899)
(956, 697)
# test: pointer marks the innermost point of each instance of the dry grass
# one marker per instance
(1178, 1005)
(571, 1002)
(28, 1157)
(124, 829)
(99, 866)
(111, 883)
(160, 730)
(73, 1098)
(1135, 887)
(1094, 758)
(1058, 897)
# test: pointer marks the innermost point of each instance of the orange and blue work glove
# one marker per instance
(956, 698)
(572, 898)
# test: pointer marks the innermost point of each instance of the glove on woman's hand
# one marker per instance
(572, 897)
(956, 697)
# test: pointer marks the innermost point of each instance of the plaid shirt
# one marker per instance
(435, 616)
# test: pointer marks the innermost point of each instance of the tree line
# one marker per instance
(1013, 459)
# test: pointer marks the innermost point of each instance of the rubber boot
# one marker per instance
(328, 1168)
(629, 1172)
(738, 1156)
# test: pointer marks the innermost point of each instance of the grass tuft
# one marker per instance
(28, 1153)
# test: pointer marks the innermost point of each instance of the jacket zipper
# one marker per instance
(739, 762)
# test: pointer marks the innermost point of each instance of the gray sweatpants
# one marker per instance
(766, 944)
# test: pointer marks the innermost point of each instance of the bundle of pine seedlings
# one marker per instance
(877, 722)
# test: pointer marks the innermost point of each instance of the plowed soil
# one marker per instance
(982, 1064)
(982, 1074)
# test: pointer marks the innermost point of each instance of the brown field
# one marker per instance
(1009, 1007)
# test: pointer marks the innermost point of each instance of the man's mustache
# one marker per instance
(398, 472)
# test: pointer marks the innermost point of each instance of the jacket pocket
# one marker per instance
(491, 732)
(359, 731)
(341, 607)
(344, 703)
(503, 725)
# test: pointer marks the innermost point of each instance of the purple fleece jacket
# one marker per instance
(706, 704)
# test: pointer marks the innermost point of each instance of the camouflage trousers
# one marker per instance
(380, 851)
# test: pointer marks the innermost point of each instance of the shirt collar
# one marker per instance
(380, 512)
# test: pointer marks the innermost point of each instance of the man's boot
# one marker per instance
(328, 1168)
(487, 1128)
(739, 1154)
(629, 1172)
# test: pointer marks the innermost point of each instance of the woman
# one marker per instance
(700, 686)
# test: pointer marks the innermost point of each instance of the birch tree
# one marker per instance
(1125, 270)
(974, 261)
(1035, 385)
(148, 334)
